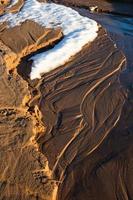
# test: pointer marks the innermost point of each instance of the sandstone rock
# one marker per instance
(4, 2)
(25, 39)
(74, 114)
(16, 7)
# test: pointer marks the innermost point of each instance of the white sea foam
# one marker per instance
(77, 30)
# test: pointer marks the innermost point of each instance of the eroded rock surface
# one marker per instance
(81, 103)
(8, 6)
(67, 136)
(16, 7)
(20, 41)
(87, 115)
(24, 170)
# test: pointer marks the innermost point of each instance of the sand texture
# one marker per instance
(67, 135)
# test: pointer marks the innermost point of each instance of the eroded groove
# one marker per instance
(68, 135)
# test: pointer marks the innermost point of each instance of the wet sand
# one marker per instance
(80, 108)
(68, 136)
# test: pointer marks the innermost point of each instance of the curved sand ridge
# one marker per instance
(77, 129)
(77, 30)
(87, 141)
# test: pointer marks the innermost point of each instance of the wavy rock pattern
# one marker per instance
(67, 136)
(81, 104)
